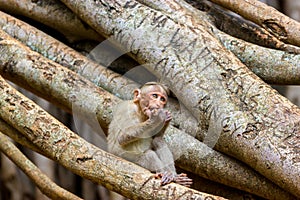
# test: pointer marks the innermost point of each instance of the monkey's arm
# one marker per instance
(145, 129)
(139, 130)
(168, 173)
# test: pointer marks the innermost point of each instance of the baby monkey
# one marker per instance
(137, 129)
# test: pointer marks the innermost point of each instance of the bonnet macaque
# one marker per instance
(136, 133)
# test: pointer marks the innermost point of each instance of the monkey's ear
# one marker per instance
(136, 95)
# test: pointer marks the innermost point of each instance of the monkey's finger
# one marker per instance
(167, 178)
(168, 119)
(182, 175)
(147, 112)
(168, 113)
(186, 183)
(183, 179)
(187, 180)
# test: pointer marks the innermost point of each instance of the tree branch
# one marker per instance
(278, 24)
(98, 74)
(273, 66)
(244, 29)
(202, 160)
(45, 184)
(66, 56)
(17, 136)
(53, 14)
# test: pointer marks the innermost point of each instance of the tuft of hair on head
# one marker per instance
(163, 86)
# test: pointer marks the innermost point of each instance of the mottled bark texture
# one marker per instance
(100, 75)
(48, 187)
(273, 66)
(257, 125)
(68, 57)
(53, 14)
(237, 26)
(278, 24)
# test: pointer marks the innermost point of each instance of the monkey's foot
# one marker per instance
(183, 180)
(168, 177)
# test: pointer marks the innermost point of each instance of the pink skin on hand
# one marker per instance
(148, 112)
(169, 117)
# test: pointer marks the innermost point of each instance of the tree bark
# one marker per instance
(273, 66)
(42, 181)
(53, 14)
(278, 24)
(237, 26)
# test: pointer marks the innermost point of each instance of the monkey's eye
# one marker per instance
(155, 96)
(163, 99)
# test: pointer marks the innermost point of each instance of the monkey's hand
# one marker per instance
(158, 116)
(168, 116)
(147, 111)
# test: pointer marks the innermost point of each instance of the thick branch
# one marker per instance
(273, 66)
(278, 24)
(43, 75)
(246, 30)
(200, 159)
(66, 56)
(45, 184)
(53, 14)
(17, 136)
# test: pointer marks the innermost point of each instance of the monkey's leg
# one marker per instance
(169, 171)
(151, 161)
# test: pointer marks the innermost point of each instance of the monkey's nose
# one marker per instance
(154, 106)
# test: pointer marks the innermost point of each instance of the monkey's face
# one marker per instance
(154, 98)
